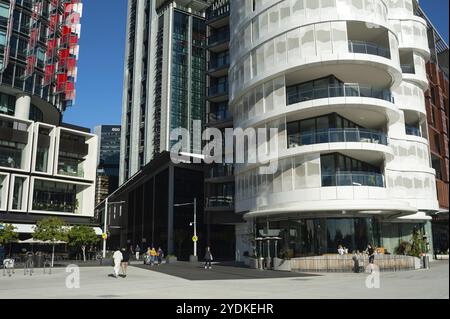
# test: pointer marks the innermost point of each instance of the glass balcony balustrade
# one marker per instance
(219, 89)
(219, 116)
(219, 37)
(220, 201)
(336, 136)
(221, 171)
(411, 130)
(408, 68)
(353, 179)
(220, 62)
(337, 90)
(368, 48)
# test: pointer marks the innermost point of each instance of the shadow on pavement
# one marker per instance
(219, 271)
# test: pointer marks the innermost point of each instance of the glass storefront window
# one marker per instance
(312, 237)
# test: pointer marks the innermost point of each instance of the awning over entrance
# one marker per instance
(29, 229)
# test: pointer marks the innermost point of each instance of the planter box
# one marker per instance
(441, 257)
(171, 259)
(253, 263)
(281, 264)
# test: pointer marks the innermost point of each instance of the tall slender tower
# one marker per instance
(164, 81)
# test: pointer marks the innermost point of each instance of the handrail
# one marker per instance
(337, 135)
(368, 48)
(344, 178)
(338, 90)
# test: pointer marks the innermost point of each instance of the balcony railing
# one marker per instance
(219, 62)
(221, 171)
(220, 202)
(368, 48)
(219, 89)
(408, 68)
(336, 136)
(219, 116)
(353, 179)
(219, 37)
(222, 11)
(411, 130)
(339, 90)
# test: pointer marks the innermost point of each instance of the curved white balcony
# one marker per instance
(412, 35)
(364, 103)
(352, 199)
(409, 96)
(275, 17)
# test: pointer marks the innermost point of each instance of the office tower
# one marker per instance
(343, 82)
(107, 160)
(164, 80)
(47, 167)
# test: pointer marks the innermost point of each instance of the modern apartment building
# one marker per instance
(344, 83)
(164, 81)
(108, 158)
(47, 167)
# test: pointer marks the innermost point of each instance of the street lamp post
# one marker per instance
(194, 223)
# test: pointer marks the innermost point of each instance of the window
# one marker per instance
(341, 170)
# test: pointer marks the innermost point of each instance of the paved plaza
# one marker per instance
(186, 281)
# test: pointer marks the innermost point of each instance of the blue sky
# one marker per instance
(102, 48)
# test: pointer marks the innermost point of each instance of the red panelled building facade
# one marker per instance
(437, 104)
(39, 48)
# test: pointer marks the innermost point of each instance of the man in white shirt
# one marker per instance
(117, 257)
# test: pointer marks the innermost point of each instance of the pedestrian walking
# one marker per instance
(117, 257)
(153, 255)
(125, 261)
(208, 258)
(371, 253)
(160, 253)
(137, 250)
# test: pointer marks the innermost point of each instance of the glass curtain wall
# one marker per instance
(198, 81)
(179, 110)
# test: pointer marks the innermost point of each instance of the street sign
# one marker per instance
(194, 238)
(104, 236)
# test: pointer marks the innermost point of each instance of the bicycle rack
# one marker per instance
(28, 267)
(47, 264)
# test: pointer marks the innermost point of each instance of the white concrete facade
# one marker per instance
(376, 44)
(40, 161)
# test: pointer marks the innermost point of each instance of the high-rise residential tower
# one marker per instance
(343, 82)
(164, 81)
(47, 167)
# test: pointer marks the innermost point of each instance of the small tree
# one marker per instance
(51, 229)
(81, 236)
(8, 234)
(418, 245)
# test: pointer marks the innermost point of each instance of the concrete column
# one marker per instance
(170, 232)
(23, 105)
